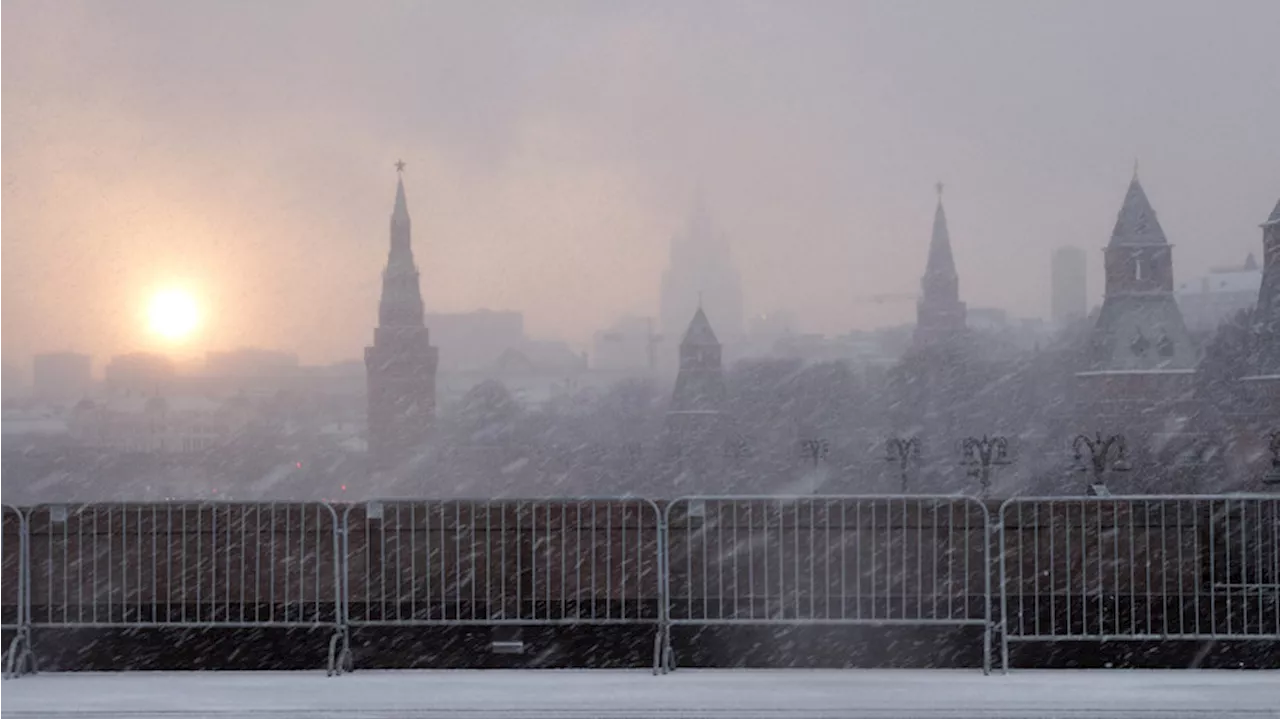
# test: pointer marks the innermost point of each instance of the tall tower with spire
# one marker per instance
(401, 363)
(940, 315)
(700, 273)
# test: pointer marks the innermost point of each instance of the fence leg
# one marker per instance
(21, 659)
(668, 651)
(986, 649)
(346, 661)
(657, 651)
(334, 668)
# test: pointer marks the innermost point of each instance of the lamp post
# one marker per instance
(980, 455)
(1273, 476)
(1100, 449)
(815, 450)
(902, 450)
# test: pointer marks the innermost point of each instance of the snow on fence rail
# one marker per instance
(13, 600)
(828, 560)
(1139, 568)
(196, 565)
(492, 562)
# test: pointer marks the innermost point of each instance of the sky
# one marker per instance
(243, 151)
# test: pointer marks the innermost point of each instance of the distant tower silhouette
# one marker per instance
(1268, 312)
(401, 364)
(700, 263)
(940, 315)
(1068, 294)
(695, 425)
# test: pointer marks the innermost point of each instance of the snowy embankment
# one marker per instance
(688, 693)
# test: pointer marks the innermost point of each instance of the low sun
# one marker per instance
(173, 314)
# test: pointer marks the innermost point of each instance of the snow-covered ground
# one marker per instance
(615, 694)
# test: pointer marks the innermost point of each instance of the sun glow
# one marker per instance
(173, 314)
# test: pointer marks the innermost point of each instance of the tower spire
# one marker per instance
(401, 303)
(940, 314)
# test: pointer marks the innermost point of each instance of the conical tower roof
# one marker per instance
(699, 333)
(1137, 224)
(1274, 219)
(941, 262)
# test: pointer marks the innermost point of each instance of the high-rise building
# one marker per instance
(140, 373)
(940, 315)
(401, 363)
(700, 273)
(61, 376)
(1068, 290)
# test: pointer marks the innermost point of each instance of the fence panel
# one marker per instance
(502, 562)
(197, 565)
(13, 585)
(1139, 568)
(828, 560)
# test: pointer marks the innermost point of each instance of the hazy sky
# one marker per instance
(244, 150)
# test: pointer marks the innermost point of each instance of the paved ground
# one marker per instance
(705, 694)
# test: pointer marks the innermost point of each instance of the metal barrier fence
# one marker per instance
(1139, 568)
(13, 590)
(1142, 568)
(194, 565)
(828, 560)
(501, 562)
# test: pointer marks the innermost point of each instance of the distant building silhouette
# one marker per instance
(401, 364)
(1068, 291)
(61, 376)
(1208, 301)
(700, 273)
(139, 373)
(1268, 307)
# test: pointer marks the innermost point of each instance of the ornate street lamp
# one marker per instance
(1273, 476)
(1100, 449)
(980, 455)
(902, 450)
(815, 450)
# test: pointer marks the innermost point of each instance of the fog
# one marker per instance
(245, 150)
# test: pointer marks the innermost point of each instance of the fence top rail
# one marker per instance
(1093, 499)
(829, 497)
(498, 502)
(70, 509)
(800, 499)
(182, 503)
